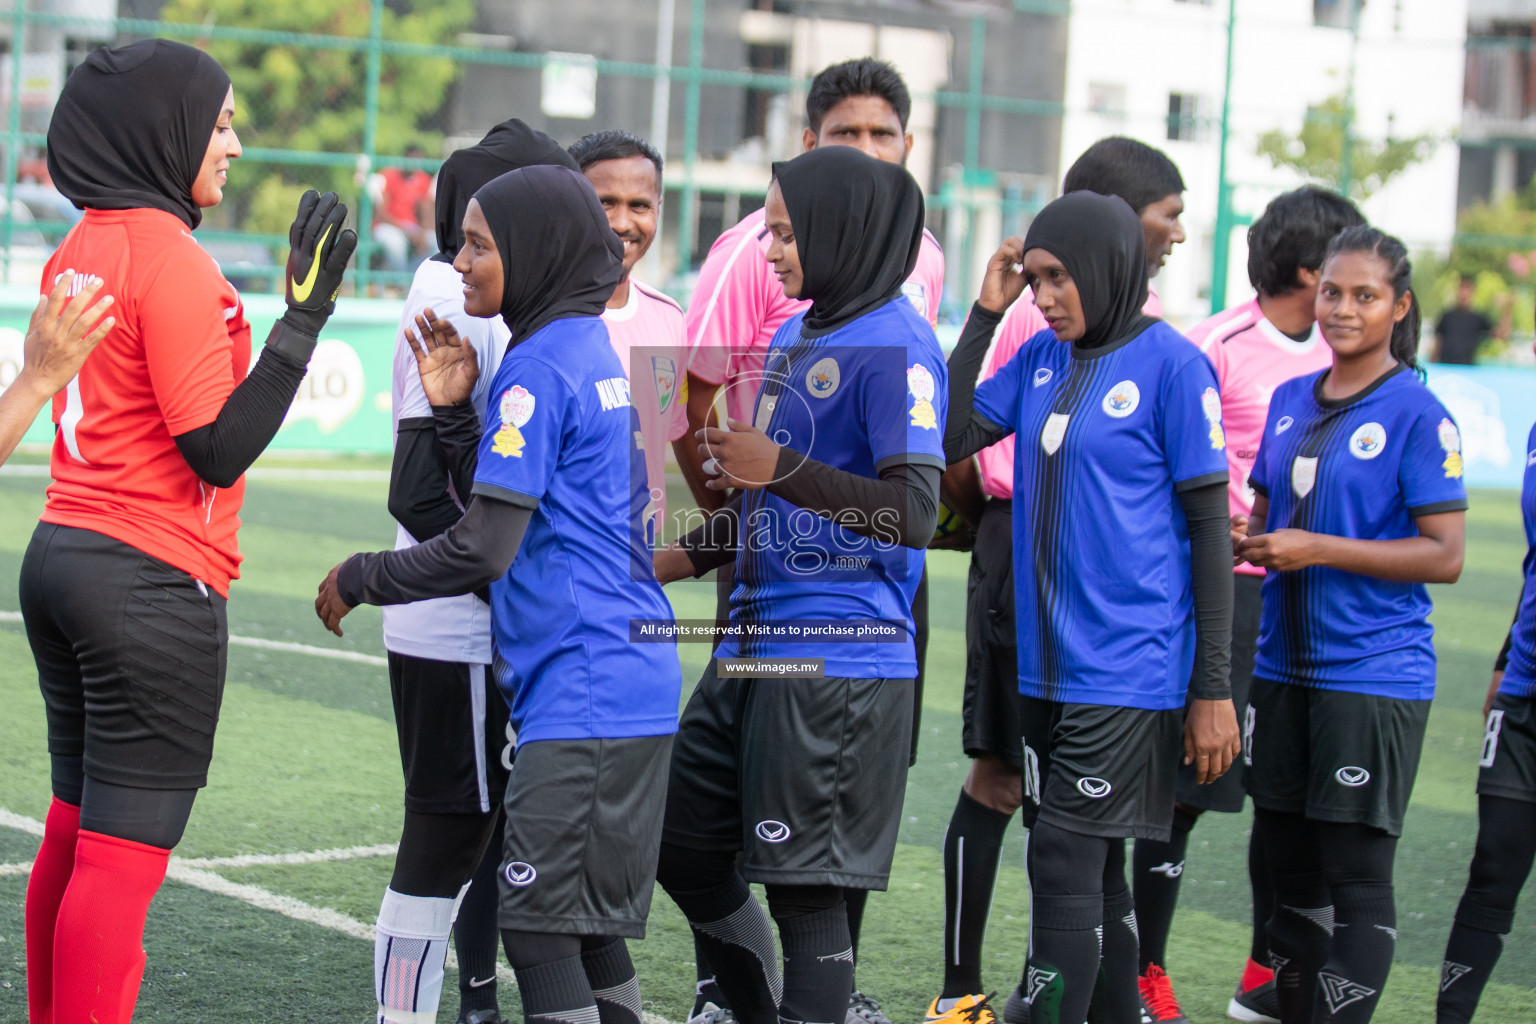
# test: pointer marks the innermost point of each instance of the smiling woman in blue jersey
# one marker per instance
(1360, 502)
(554, 529)
(1123, 580)
(839, 482)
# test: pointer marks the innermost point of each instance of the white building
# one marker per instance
(1155, 70)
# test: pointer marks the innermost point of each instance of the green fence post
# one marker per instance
(688, 216)
(1221, 249)
(13, 135)
(370, 145)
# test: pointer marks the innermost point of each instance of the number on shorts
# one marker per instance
(511, 747)
(1491, 738)
(1031, 774)
(1248, 718)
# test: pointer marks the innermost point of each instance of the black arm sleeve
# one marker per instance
(458, 438)
(967, 431)
(1210, 549)
(219, 452)
(418, 482)
(714, 543)
(475, 551)
(901, 507)
(1502, 662)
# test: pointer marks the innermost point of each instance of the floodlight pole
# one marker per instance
(1222, 249)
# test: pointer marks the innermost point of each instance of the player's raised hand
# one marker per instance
(739, 455)
(328, 603)
(63, 331)
(1211, 738)
(1003, 282)
(317, 257)
(448, 367)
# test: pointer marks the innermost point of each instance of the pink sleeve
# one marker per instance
(729, 305)
(931, 270)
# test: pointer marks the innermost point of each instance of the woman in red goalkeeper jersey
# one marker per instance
(124, 583)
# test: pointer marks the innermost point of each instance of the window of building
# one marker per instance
(1333, 13)
(1186, 117)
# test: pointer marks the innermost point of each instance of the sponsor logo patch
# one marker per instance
(517, 404)
(920, 383)
(1340, 992)
(1122, 399)
(771, 831)
(822, 379)
(1055, 432)
(1368, 441)
(1210, 404)
(1350, 775)
(1451, 973)
(1169, 869)
(1094, 789)
(1043, 375)
(520, 873)
(1303, 475)
(1450, 443)
(1283, 425)
(918, 296)
(664, 370)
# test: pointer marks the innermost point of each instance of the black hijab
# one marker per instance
(132, 125)
(559, 257)
(1100, 241)
(858, 224)
(506, 147)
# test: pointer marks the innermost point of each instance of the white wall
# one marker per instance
(1409, 66)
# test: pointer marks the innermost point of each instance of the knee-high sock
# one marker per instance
(1263, 888)
(973, 847)
(1506, 848)
(557, 993)
(409, 949)
(611, 974)
(1157, 868)
(818, 966)
(1066, 912)
(45, 889)
(1117, 996)
(705, 988)
(98, 942)
(855, 900)
(738, 940)
(1360, 957)
(476, 937)
(1301, 928)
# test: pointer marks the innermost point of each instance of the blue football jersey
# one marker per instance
(1520, 673)
(872, 392)
(1359, 467)
(559, 428)
(1107, 438)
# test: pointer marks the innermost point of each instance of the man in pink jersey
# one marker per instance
(645, 326)
(737, 306)
(982, 494)
(1255, 348)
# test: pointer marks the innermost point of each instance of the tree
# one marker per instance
(1318, 152)
(313, 99)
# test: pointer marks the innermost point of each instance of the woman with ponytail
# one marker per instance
(1360, 502)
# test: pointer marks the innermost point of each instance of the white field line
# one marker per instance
(259, 473)
(275, 645)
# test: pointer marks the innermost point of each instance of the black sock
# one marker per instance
(1301, 927)
(476, 938)
(1470, 956)
(855, 900)
(705, 988)
(1263, 899)
(973, 846)
(1360, 958)
(1158, 868)
(611, 974)
(738, 942)
(1117, 996)
(818, 966)
(557, 993)
(1066, 890)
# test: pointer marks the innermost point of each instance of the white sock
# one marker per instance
(408, 955)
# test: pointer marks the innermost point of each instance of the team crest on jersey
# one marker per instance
(1210, 404)
(1054, 433)
(1303, 475)
(918, 296)
(516, 410)
(920, 383)
(1283, 425)
(1450, 443)
(1530, 460)
(823, 378)
(665, 372)
(1368, 441)
(1042, 375)
(1122, 399)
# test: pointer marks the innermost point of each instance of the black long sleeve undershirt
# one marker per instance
(1206, 511)
(714, 542)
(471, 554)
(221, 451)
(967, 431)
(458, 439)
(419, 499)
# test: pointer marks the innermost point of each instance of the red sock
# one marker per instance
(99, 944)
(50, 875)
(1255, 974)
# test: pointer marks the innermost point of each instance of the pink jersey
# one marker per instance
(738, 305)
(647, 334)
(1022, 322)
(1252, 358)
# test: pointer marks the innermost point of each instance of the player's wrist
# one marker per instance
(34, 387)
(292, 340)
